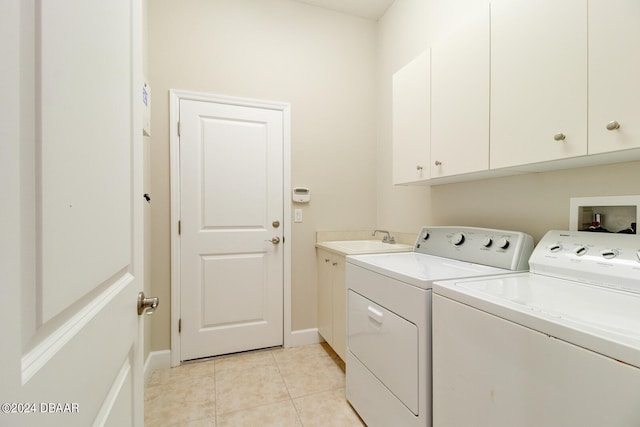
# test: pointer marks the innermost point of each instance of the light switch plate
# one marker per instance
(297, 215)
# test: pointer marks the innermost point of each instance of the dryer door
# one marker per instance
(387, 345)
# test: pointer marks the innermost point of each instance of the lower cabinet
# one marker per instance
(332, 296)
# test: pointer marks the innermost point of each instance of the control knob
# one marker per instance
(609, 253)
(555, 248)
(487, 242)
(580, 250)
(503, 243)
(457, 239)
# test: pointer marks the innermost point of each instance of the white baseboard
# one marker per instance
(162, 359)
(305, 337)
(156, 360)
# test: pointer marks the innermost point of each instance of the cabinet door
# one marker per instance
(411, 121)
(325, 297)
(339, 306)
(614, 75)
(538, 81)
(460, 98)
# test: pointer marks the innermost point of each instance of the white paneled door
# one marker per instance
(231, 216)
(71, 245)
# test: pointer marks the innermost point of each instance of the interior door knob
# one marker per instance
(559, 137)
(275, 240)
(147, 305)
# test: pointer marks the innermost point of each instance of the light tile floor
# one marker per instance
(300, 386)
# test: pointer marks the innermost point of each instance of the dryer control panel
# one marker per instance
(492, 247)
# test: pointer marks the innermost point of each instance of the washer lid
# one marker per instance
(601, 319)
(419, 269)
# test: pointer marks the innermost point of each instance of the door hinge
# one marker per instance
(180, 325)
(179, 227)
(178, 128)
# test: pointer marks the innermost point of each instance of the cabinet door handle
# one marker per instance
(335, 263)
(327, 260)
(375, 314)
(559, 137)
(418, 167)
(613, 125)
(438, 163)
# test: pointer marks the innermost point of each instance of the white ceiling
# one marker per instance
(370, 9)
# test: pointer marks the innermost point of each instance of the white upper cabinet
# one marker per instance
(411, 121)
(521, 86)
(460, 98)
(614, 75)
(538, 81)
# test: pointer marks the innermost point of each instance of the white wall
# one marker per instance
(323, 63)
(403, 34)
(336, 72)
(532, 203)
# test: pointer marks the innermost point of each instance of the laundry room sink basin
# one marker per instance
(371, 245)
(352, 247)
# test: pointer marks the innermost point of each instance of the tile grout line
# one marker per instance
(215, 391)
(295, 407)
(284, 361)
(263, 368)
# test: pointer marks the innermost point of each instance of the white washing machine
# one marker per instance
(388, 360)
(558, 346)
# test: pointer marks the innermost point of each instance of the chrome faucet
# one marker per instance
(386, 239)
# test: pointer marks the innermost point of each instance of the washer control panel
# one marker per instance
(496, 248)
(605, 259)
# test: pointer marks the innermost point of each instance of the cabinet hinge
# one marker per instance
(178, 128)
(179, 227)
(180, 325)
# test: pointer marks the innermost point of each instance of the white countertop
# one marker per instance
(358, 247)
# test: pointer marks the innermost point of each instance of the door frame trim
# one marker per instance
(175, 96)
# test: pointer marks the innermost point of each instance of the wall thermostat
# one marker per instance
(301, 195)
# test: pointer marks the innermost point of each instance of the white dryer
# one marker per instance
(558, 346)
(388, 359)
